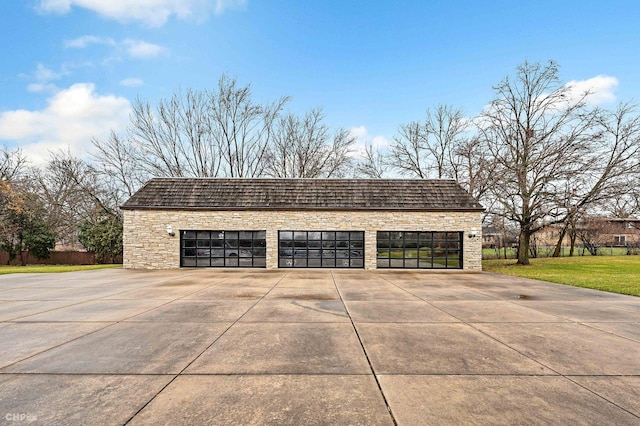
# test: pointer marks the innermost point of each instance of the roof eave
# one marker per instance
(418, 209)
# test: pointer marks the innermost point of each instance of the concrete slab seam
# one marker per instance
(203, 351)
(110, 324)
(373, 372)
(526, 356)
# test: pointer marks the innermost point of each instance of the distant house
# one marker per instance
(491, 237)
(616, 232)
(596, 231)
(302, 223)
(548, 236)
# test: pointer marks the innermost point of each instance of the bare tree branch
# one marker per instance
(304, 147)
(537, 131)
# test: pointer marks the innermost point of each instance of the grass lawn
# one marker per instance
(51, 268)
(617, 274)
(489, 253)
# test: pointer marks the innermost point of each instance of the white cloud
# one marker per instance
(70, 120)
(222, 5)
(601, 88)
(139, 49)
(153, 13)
(131, 82)
(43, 77)
(43, 74)
(358, 132)
(363, 140)
(86, 40)
(42, 87)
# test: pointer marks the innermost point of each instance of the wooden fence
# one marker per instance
(57, 258)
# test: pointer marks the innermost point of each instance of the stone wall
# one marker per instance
(148, 246)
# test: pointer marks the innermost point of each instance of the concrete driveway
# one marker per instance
(314, 347)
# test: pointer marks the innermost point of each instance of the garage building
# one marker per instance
(302, 223)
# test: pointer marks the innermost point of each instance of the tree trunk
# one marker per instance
(21, 251)
(556, 252)
(592, 248)
(573, 237)
(523, 247)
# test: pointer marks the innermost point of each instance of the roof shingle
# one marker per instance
(301, 194)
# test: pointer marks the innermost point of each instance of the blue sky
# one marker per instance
(70, 68)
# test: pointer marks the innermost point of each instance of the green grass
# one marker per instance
(489, 253)
(38, 269)
(616, 274)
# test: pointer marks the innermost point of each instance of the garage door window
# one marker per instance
(419, 250)
(243, 249)
(321, 249)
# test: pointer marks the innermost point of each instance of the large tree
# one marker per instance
(201, 133)
(24, 227)
(427, 149)
(444, 146)
(305, 147)
(221, 133)
(537, 130)
(242, 128)
(602, 172)
(116, 161)
(75, 192)
(373, 164)
(471, 166)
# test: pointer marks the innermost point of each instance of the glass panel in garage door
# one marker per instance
(423, 250)
(218, 248)
(321, 249)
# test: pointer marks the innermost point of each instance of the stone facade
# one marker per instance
(147, 245)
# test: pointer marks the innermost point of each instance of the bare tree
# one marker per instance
(444, 128)
(603, 169)
(537, 130)
(594, 232)
(627, 204)
(427, 149)
(408, 151)
(116, 161)
(241, 128)
(373, 165)
(12, 164)
(83, 184)
(174, 139)
(304, 147)
(223, 132)
(74, 192)
(472, 166)
(62, 199)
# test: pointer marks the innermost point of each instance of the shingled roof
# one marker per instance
(301, 194)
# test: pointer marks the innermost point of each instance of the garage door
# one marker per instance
(321, 249)
(419, 250)
(220, 249)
